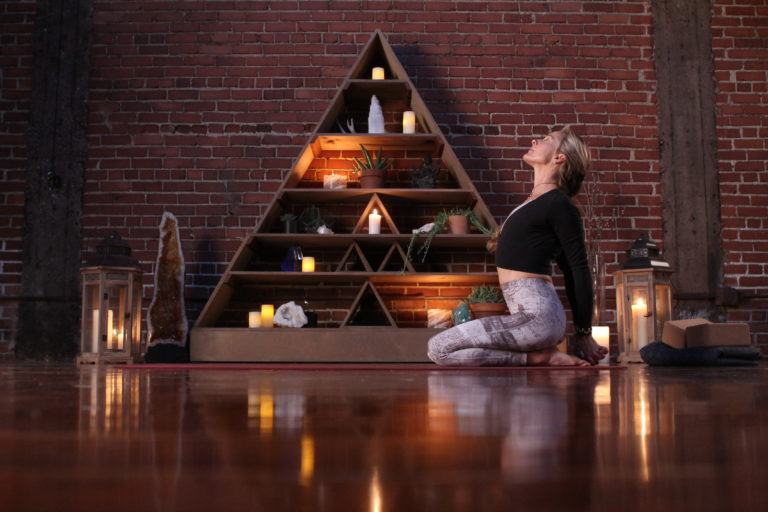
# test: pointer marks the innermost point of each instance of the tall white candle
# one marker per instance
(374, 223)
(639, 323)
(377, 74)
(254, 319)
(110, 331)
(95, 330)
(409, 121)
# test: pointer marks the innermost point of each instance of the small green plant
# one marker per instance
(485, 294)
(287, 217)
(439, 226)
(369, 163)
(425, 175)
(311, 219)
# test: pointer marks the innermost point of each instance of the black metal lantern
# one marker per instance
(643, 298)
(111, 311)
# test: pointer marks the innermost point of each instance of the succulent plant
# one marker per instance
(485, 294)
(369, 163)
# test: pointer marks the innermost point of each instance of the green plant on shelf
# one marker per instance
(425, 175)
(311, 219)
(369, 164)
(439, 225)
(485, 294)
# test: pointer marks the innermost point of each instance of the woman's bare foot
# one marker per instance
(553, 357)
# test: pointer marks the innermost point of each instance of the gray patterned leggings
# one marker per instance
(536, 322)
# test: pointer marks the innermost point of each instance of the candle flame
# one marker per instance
(375, 212)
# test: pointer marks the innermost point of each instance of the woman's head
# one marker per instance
(563, 154)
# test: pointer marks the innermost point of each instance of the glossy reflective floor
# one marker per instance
(163, 440)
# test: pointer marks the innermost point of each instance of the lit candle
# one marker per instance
(377, 74)
(254, 319)
(602, 335)
(95, 329)
(119, 338)
(639, 323)
(409, 121)
(267, 315)
(374, 223)
(308, 264)
(110, 330)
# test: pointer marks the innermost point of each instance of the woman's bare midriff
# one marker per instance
(506, 275)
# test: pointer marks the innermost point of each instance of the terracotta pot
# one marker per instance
(458, 224)
(372, 178)
(488, 309)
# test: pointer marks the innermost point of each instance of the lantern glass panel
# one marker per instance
(639, 317)
(663, 305)
(116, 305)
(90, 337)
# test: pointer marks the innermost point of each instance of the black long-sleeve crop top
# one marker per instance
(547, 228)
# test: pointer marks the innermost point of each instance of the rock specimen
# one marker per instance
(375, 117)
(290, 314)
(166, 318)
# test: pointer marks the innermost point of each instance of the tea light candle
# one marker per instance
(308, 264)
(377, 74)
(254, 319)
(374, 223)
(95, 330)
(409, 121)
(267, 315)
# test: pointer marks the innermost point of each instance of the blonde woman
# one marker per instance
(546, 226)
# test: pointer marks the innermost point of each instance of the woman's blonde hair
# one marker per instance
(571, 173)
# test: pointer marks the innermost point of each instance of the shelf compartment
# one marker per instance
(361, 195)
(361, 90)
(316, 278)
(389, 141)
(472, 241)
(353, 344)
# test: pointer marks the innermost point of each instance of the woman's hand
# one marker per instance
(585, 347)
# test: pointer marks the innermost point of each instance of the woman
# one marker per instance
(546, 226)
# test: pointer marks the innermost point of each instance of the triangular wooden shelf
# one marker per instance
(386, 218)
(213, 342)
(404, 261)
(361, 296)
(354, 249)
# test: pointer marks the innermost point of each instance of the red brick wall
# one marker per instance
(740, 43)
(16, 25)
(200, 107)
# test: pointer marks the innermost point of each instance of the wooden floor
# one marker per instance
(361, 440)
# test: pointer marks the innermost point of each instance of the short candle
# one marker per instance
(308, 264)
(254, 319)
(377, 74)
(374, 223)
(267, 315)
(409, 121)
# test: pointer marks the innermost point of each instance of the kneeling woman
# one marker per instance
(546, 226)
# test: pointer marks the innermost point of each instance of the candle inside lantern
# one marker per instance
(602, 335)
(308, 264)
(409, 121)
(267, 315)
(119, 338)
(110, 330)
(374, 223)
(254, 319)
(377, 74)
(95, 331)
(639, 323)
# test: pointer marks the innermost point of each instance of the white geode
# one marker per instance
(426, 228)
(375, 117)
(290, 314)
(324, 230)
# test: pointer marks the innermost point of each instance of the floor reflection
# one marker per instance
(382, 440)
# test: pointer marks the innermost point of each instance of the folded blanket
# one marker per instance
(659, 354)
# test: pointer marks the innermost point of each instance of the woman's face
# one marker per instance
(543, 150)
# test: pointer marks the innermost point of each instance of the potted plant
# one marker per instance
(439, 225)
(289, 222)
(425, 175)
(372, 172)
(311, 219)
(485, 301)
(458, 220)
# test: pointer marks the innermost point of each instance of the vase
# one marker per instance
(459, 224)
(372, 178)
(485, 309)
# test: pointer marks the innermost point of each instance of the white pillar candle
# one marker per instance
(95, 329)
(110, 330)
(374, 223)
(119, 338)
(639, 323)
(267, 315)
(409, 121)
(254, 319)
(308, 264)
(602, 335)
(377, 74)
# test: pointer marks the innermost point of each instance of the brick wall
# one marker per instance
(16, 25)
(200, 107)
(740, 44)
